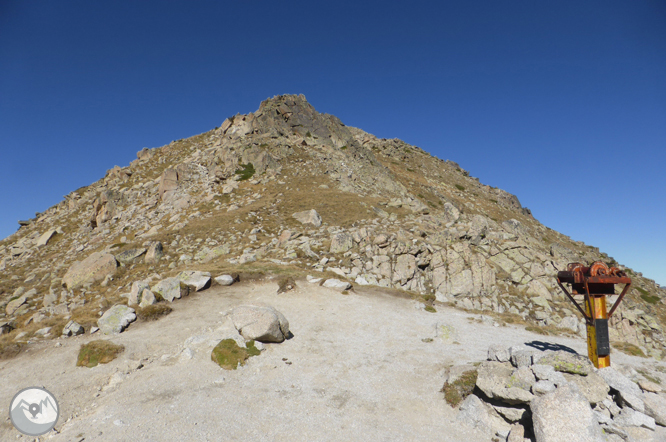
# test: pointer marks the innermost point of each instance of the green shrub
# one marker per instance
(228, 355)
(98, 352)
(245, 172)
(647, 297)
(459, 187)
(430, 309)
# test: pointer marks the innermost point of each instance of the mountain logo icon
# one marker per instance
(34, 411)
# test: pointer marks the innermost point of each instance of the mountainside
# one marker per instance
(284, 191)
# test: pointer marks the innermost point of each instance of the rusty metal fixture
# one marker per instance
(594, 283)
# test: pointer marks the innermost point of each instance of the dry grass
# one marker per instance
(629, 349)
(8, 348)
(285, 284)
(98, 352)
(153, 312)
(462, 387)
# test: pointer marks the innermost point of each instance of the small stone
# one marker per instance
(542, 387)
(337, 284)
(116, 319)
(225, 280)
(649, 386)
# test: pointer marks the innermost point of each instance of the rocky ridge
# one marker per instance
(287, 189)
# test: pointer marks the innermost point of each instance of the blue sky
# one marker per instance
(561, 103)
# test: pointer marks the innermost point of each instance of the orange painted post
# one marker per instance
(593, 350)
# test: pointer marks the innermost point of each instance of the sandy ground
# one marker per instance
(356, 369)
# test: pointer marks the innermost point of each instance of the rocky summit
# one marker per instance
(286, 193)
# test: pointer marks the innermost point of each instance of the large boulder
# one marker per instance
(567, 362)
(477, 414)
(499, 380)
(94, 268)
(46, 237)
(116, 319)
(341, 242)
(171, 288)
(260, 323)
(564, 415)
(136, 293)
(629, 393)
(14, 305)
(168, 184)
(128, 256)
(308, 217)
(195, 280)
(154, 253)
(655, 407)
(592, 386)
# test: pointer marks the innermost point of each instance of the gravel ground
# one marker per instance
(357, 368)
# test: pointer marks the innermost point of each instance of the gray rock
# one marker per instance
(477, 414)
(308, 217)
(341, 242)
(517, 434)
(511, 414)
(494, 379)
(154, 253)
(170, 289)
(14, 305)
(631, 418)
(566, 362)
(116, 319)
(128, 256)
(207, 255)
(629, 393)
(522, 378)
(94, 268)
(655, 407)
(337, 284)
(542, 387)
(5, 327)
(73, 329)
(520, 358)
(499, 353)
(564, 415)
(196, 280)
(136, 292)
(147, 298)
(593, 387)
(224, 279)
(46, 237)
(261, 323)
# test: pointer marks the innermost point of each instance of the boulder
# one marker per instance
(477, 414)
(655, 407)
(207, 255)
(592, 386)
(128, 256)
(168, 184)
(308, 217)
(405, 267)
(566, 362)
(341, 242)
(498, 353)
(337, 284)
(147, 298)
(629, 393)
(224, 279)
(170, 289)
(72, 329)
(136, 292)
(631, 418)
(195, 280)
(154, 253)
(116, 319)
(46, 237)
(94, 268)
(260, 323)
(496, 382)
(14, 305)
(564, 415)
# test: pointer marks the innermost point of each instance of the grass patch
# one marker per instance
(647, 297)
(285, 284)
(647, 376)
(228, 355)
(98, 352)
(459, 187)
(629, 349)
(430, 309)
(153, 312)
(343, 148)
(8, 348)
(245, 172)
(462, 387)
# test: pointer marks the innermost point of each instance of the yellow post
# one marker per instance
(598, 312)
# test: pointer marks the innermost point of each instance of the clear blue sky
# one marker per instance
(561, 103)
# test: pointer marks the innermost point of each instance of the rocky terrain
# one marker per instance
(288, 192)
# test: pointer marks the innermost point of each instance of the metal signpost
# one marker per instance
(594, 283)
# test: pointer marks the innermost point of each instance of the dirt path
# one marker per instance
(357, 368)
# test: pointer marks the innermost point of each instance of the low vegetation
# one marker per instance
(98, 352)
(458, 390)
(153, 312)
(629, 349)
(228, 355)
(245, 172)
